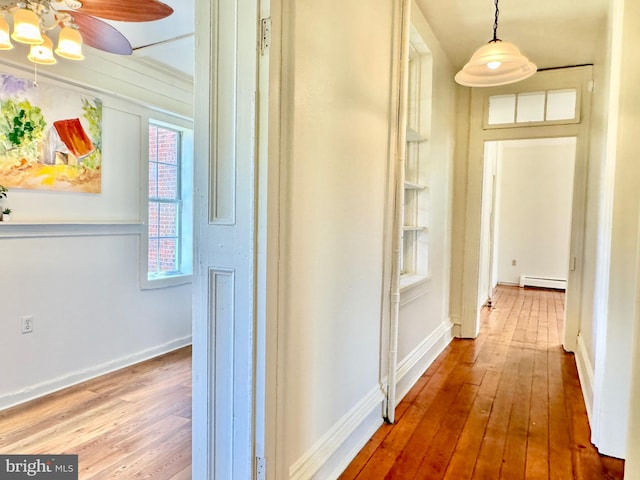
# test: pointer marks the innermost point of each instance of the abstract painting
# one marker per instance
(50, 137)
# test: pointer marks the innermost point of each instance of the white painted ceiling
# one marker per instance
(552, 33)
(169, 41)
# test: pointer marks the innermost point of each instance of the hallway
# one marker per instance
(507, 405)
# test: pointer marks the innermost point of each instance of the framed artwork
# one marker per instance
(50, 137)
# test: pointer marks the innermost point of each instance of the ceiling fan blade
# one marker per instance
(101, 35)
(126, 11)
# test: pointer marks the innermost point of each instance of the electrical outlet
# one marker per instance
(27, 323)
(513, 263)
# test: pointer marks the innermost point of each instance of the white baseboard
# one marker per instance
(333, 452)
(411, 368)
(330, 455)
(585, 374)
(15, 398)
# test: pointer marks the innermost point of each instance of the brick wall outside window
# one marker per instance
(164, 201)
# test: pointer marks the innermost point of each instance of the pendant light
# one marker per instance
(496, 63)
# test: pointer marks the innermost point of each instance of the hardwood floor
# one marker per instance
(132, 423)
(507, 405)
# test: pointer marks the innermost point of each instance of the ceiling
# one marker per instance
(169, 41)
(552, 33)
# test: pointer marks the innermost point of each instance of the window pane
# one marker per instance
(168, 146)
(167, 181)
(408, 250)
(411, 163)
(561, 104)
(152, 257)
(168, 220)
(168, 255)
(502, 109)
(153, 146)
(153, 220)
(153, 180)
(530, 107)
(410, 207)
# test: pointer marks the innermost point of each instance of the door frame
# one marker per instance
(579, 78)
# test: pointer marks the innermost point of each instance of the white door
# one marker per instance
(224, 308)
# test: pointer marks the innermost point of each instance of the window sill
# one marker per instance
(413, 287)
(165, 282)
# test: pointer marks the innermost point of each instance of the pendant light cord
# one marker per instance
(495, 23)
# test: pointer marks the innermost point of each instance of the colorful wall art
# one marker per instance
(50, 137)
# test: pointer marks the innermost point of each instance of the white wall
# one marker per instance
(337, 93)
(424, 323)
(71, 260)
(338, 75)
(535, 182)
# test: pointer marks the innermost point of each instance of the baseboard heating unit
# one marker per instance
(529, 281)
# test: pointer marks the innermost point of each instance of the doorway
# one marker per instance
(552, 104)
(526, 214)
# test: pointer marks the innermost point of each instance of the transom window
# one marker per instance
(542, 107)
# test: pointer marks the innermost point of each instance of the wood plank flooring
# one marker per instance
(507, 405)
(132, 423)
(504, 406)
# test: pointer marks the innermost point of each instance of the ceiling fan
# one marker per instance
(86, 16)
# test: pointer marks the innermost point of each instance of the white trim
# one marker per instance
(586, 375)
(359, 439)
(14, 398)
(605, 223)
(417, 362)
(68, 229)
(413, 287)
(364, 418)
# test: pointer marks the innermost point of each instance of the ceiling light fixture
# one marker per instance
(43, 53)
(496, 63)
(32, 19)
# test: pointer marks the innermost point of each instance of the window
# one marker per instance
(169, 224)
(415, 212)
(522, 109)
